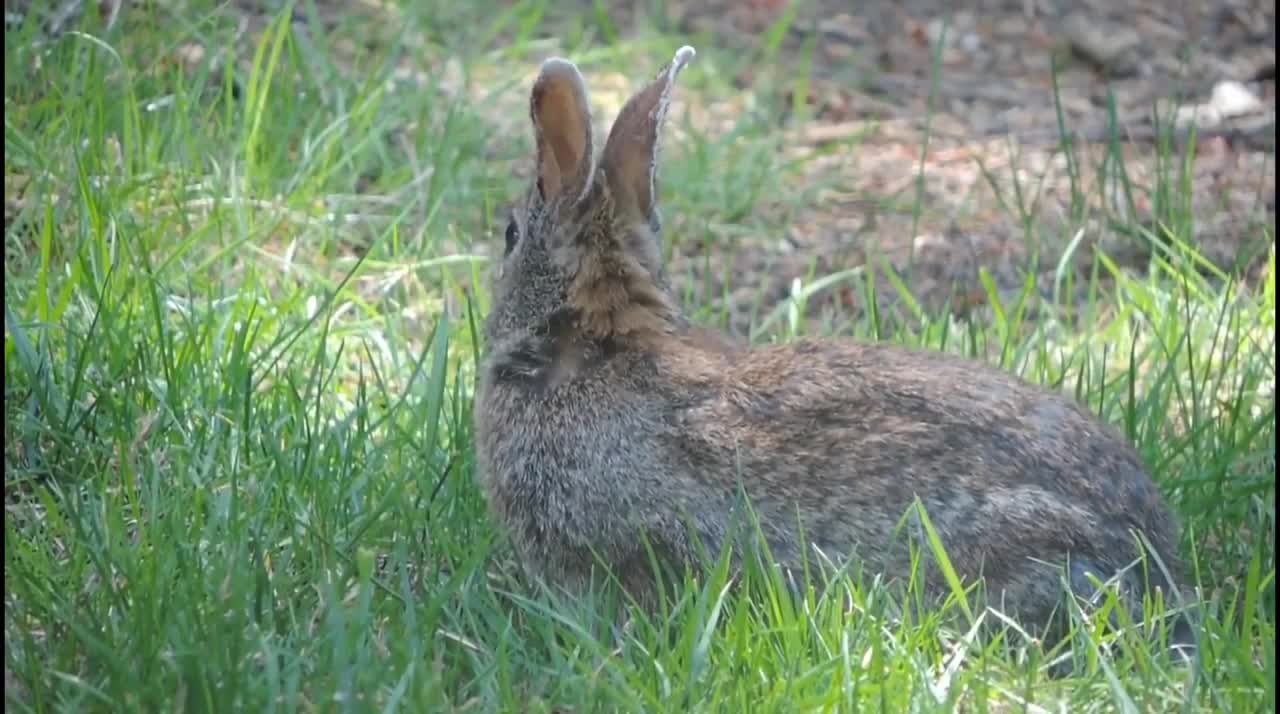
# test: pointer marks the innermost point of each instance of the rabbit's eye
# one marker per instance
(513, 234)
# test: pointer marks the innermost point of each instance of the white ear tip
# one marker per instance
(560, 66)
(684, 55)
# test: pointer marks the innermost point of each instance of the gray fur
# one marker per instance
(605, 418)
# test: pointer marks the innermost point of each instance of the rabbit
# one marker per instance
(610, 428)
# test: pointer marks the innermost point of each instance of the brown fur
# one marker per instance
(604, 418)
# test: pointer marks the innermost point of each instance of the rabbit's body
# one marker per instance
(607, 424)
(834, 441)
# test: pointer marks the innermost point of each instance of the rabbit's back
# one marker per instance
(843, 437)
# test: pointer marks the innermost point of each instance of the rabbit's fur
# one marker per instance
(607, 424)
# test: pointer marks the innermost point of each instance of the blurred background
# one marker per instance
(816, 136)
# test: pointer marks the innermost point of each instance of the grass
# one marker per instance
(240, 342)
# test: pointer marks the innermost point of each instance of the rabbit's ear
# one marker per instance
(631, 152)
(561, 118)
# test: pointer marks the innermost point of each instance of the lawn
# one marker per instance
(245, 259)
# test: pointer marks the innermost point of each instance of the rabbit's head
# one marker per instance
(583, 250)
